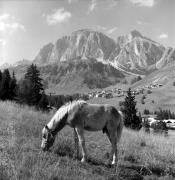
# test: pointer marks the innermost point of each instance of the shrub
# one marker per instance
(143, 99)
(146, 111)
(159, 127)
(146, 126)
(149, 91)
(138, 78)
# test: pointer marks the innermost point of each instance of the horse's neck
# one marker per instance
(51, 124)
(56, 123)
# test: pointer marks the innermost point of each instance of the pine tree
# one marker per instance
(5, 85)
(30, 89)
(0, 82)
(13, 87)
(131, 120)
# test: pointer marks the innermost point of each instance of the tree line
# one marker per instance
(161, 114)
(29, 90)
(8, 85)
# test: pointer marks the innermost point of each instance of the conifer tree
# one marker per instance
(12, 87)
(0, 82)
(30, 89)
(131, 120)
(5, 85)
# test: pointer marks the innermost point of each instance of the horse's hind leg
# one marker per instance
(114, 152)
(80, 133)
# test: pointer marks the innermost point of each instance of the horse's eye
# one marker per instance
(44, 136)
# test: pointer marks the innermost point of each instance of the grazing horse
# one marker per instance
(84, 116)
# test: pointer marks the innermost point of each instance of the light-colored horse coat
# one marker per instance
(84, 116)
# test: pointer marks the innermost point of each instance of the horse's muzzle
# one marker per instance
(44, 149)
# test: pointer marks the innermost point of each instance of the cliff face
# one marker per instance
(82, 43)
(131, 53)
(137, 54)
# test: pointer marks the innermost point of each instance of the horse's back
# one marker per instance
(96, 116)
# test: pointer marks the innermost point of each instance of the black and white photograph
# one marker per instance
(87, 89)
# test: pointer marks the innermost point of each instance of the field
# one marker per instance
(141, 156)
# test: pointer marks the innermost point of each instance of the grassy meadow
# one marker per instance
(141, 156)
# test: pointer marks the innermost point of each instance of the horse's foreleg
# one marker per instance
(76, 143)
(81, 138)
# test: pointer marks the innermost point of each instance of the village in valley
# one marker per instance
(118, 92)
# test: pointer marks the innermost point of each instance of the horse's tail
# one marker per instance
(120, 126)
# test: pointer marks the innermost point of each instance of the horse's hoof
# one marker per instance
(83, 161)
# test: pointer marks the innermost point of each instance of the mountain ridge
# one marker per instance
(133, 52)
(129, 55)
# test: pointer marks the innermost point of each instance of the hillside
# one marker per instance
(163, 96)
(78, 75)
(141, 156)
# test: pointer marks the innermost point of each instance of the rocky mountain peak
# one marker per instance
(81, 43)
(130, 53)
(135, 34)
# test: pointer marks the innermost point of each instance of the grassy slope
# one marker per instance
(164, 96)
(140, 155)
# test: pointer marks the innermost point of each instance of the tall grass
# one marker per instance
(140, 155)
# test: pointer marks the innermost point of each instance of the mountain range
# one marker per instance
(91, 59)
(132, 53)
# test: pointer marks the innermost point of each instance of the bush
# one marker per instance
(146, 111)
(121, 103)
(149, 91)
(146, 126)
(138, 78)
(142, 99)
(159, 127)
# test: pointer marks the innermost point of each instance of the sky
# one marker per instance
(27, 25)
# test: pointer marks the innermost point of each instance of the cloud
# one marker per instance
(101, 28)
(72, 1)
(112, 30)
(92, 6)
(59, 16)
(146, 3)
(113, 4)
(139, 22)
(163, 36)
(142, 23)
(8, 24)
(4, 17)
(2, 42)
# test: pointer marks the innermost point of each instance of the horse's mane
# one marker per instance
(71, 104)
(67, 107)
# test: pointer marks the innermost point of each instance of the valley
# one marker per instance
(89, 62)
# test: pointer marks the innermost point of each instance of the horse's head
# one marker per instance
(47, 138)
